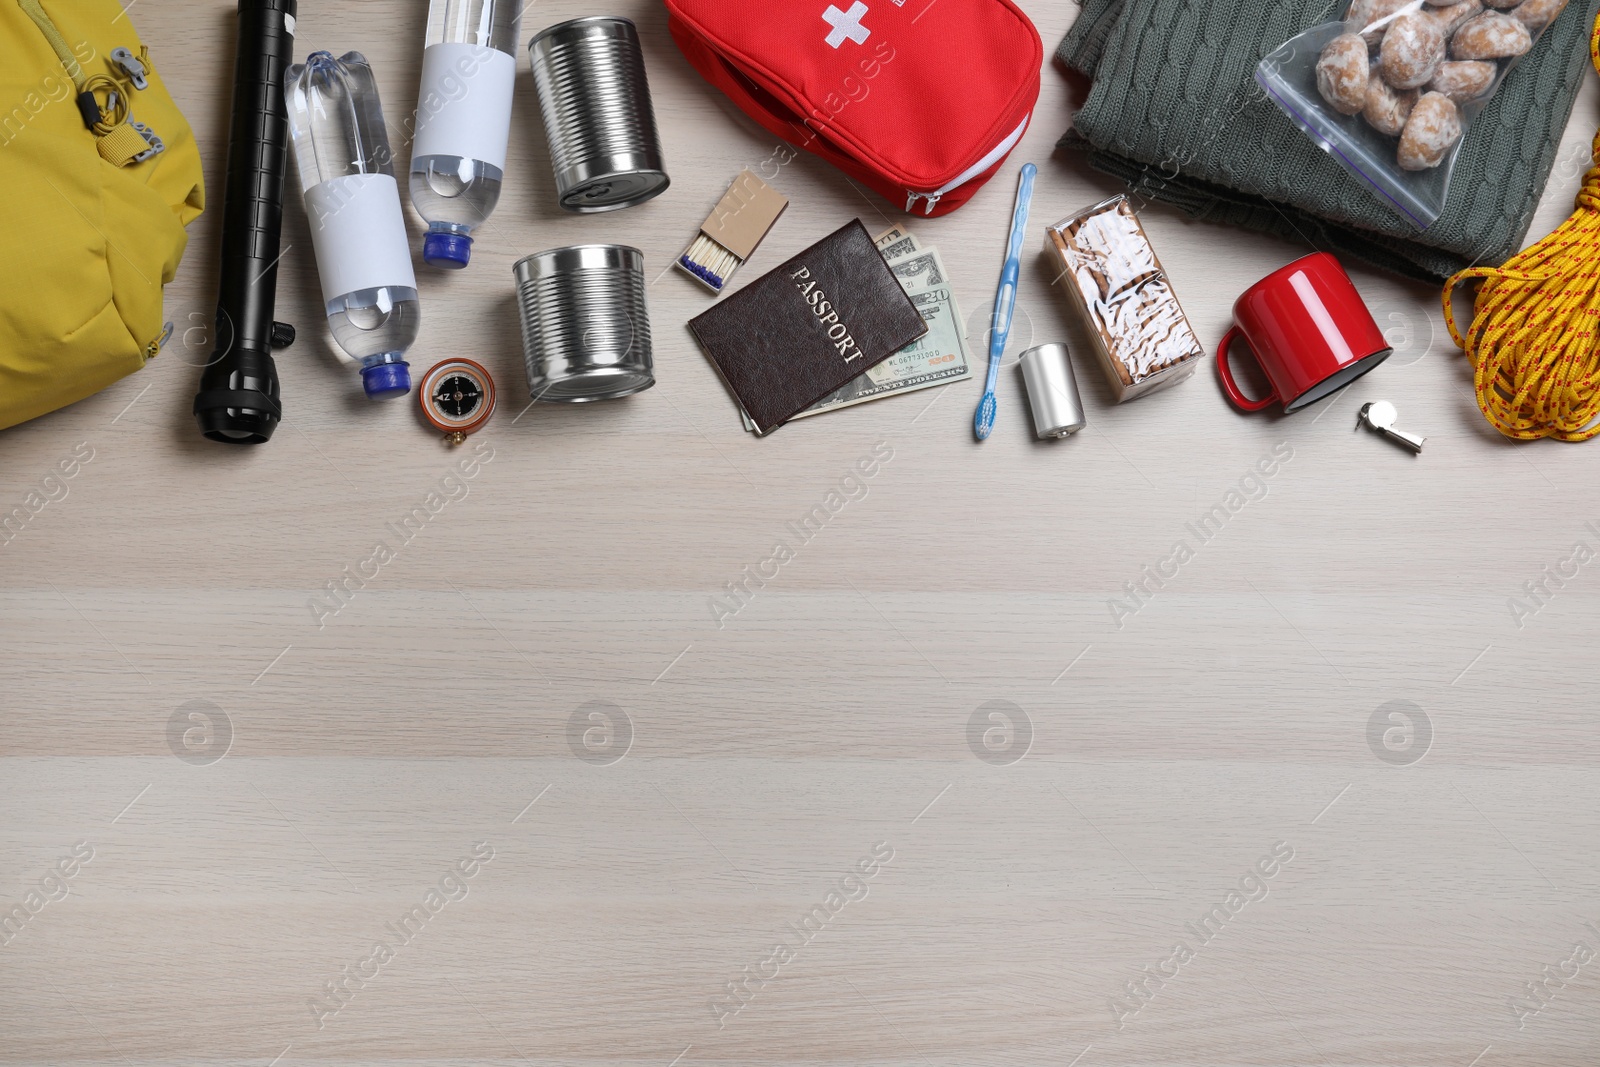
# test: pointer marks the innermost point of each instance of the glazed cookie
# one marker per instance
(1387, 108)
(1450, 18)
(1434, 126)
(1342, 73)
(1364, 13)
(1463, 79)
(1412, 49)
(1490, 35)
(1537, 14)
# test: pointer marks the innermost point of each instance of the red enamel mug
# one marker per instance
(1308, 329)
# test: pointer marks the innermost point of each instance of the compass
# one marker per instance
(457, 398)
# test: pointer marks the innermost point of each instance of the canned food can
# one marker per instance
(585, 323)
(1052, 391)
(595, 98)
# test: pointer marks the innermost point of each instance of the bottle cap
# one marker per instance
(386, 380)
(448, 251)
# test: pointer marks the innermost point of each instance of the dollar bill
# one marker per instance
(901, 247)
(921, 269)
(896, 242)
(890, 236)
(937, 358)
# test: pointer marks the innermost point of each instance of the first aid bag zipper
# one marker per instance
(998, 152)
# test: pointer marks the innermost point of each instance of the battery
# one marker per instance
(1052, 391)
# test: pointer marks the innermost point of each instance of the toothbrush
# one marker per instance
(1005, 302)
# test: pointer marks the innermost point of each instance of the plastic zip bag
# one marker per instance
(1391, 92)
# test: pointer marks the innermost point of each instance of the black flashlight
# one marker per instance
(238, 398)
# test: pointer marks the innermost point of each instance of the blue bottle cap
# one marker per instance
(448, 251)
(386, 380)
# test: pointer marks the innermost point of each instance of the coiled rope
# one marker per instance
(1532, 342)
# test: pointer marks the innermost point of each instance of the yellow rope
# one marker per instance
(1532, 342)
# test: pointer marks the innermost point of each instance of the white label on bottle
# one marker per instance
(464, 106)
(359, 233)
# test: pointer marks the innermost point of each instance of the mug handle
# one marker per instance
(1229, 386)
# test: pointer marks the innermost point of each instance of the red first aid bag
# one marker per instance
(920, 99)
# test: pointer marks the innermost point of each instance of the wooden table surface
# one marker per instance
(580, 815)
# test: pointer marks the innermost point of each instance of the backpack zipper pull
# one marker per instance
(933, 202)
(911, 200)
(131, 67)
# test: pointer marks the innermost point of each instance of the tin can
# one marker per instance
(595, 97)
(1052, 391)
(585, 323)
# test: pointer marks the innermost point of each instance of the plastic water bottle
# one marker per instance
(357, 225)
(469, 71)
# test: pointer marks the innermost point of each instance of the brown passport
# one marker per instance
(796, 334)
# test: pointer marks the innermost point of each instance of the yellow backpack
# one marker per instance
(93, 219)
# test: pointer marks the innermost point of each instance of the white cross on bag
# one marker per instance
(846, 24)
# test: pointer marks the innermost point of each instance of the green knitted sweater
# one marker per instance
(1176, 114)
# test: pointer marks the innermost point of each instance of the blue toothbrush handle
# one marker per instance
(1005, 303)
(1019, 217)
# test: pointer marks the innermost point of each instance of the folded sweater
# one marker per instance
(1175, 112)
